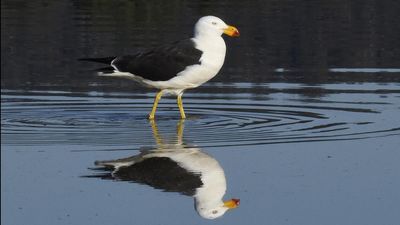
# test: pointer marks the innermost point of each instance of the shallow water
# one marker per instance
(279, 115)
(302, 122)
(289, 157)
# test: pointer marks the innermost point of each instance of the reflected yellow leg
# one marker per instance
(179, 131)
(156, 136)
(179, 100)
(156, 100)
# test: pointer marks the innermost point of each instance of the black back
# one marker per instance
(161, 63)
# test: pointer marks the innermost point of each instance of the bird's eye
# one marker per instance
(214, 211)
(214, 23)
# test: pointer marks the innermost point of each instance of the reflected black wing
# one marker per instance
(161, 63)
(157, 172)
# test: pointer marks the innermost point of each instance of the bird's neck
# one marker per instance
(211, 45)
(214, 49)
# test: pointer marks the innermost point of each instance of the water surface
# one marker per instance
(302, 122)
(289, 157)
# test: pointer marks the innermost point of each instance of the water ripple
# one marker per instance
(54, 118)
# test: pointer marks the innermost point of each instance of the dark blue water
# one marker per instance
(303, 120)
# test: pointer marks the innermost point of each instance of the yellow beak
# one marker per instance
(233, 203)
(231, 31)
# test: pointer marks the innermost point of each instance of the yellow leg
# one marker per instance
(156, 100)
(179, 100)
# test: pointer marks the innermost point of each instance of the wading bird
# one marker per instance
(175, 67)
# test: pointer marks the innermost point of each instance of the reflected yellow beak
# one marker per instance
(233, 203)
(231, 31)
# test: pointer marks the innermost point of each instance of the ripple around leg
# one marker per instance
(119, 121)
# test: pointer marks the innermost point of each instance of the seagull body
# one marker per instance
(178, 66)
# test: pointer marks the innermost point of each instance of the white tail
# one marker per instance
(118, 74)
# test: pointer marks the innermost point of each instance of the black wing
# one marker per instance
(161, 63)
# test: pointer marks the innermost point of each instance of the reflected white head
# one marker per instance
(214, 26)
(208, 212)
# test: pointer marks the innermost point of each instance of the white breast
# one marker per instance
(213, 58)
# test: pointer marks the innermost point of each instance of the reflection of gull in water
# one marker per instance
(176, 168)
